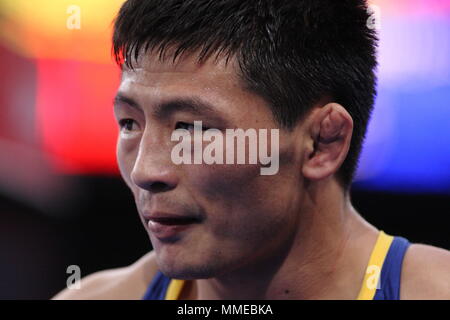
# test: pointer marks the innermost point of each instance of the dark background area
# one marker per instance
(100, 229)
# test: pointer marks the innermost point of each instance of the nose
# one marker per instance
(153, 169)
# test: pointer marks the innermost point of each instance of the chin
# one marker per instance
(188, 272)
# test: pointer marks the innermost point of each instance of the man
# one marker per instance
(225, 231)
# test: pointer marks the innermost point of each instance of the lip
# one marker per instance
(166, 226)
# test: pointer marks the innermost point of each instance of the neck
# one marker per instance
(325, 259)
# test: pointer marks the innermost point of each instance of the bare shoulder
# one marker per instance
(425, 273)
(127, 283)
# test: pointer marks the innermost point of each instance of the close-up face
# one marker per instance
(229, 215)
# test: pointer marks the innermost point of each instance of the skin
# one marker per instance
(293, 235)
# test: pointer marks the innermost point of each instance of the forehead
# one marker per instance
(186, 73)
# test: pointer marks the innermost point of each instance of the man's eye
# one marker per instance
(127, 124)
(184, 125)
(188, 126)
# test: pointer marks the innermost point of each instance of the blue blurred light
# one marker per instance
(408, 142)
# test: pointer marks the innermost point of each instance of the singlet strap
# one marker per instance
(174, 289)
(374, 267)
(391, 272)
(157, 288)
(163, 288)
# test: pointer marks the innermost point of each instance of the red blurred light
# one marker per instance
(74, 115)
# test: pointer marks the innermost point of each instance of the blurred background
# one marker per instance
(62, 201)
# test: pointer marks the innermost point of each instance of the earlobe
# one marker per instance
(331, 131)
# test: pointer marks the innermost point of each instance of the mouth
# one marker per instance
(169, 227)
(172, 221)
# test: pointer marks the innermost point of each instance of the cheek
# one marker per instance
(126, 156)
(237, 196)
(244, 209)
(241, 202)
(243, 187)
(222, 182)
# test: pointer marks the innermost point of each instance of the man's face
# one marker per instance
(244, 218)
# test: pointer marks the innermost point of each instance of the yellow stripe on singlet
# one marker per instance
(174, 289)
(373, 270)
(369, 285)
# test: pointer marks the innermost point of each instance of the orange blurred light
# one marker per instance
(48, 28)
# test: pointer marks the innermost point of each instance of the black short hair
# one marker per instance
(290, 52)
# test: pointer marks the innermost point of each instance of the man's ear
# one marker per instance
(328, 141)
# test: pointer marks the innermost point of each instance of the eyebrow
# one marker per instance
(121, 99)
(165, 109)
